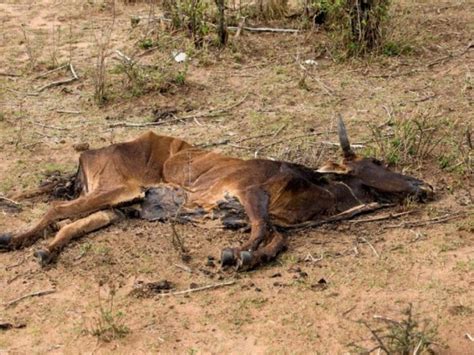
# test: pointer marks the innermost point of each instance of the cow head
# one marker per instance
(374, 174)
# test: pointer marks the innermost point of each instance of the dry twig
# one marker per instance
(33, 294)
(263, 29)
(451, 55)
(9, 74)
(42, 75)
(184, 267)
(10, 201)
(371, 247)
(9, 267)
(350, 213)
(5, 325)
(59, 82)
(384, 217)
(209, 113)
(197, 289)
(436, 220)
(284, 140)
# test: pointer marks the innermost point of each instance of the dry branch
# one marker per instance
(34, 294)
(184, 267)
(42, 75)
(72, 112)
(5, 325)
(230, 28)
(9, 267)
(264, 29)
(197, 289)
(451, 55)
(284, 140)
(382, 218)
(371, 247)
(436, 220)
(350, 213)
(209, 113)
(10, 201)
(9, 74)
(59, 82)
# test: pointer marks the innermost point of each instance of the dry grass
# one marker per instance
(285, 305)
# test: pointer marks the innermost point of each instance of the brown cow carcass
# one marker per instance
(173, 179)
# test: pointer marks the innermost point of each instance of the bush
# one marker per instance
(358, 26)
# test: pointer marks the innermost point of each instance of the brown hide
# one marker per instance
(271, 192)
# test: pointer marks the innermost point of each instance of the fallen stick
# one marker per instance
(382, 218)
(34, 294)
(209, 113)
(263, 29)
(124, 58)
(42, 75)
(197, 289)
(59, 82)
(371, 247)
(69, 111)
(184, 267)
(334, 144)
(425, 222)
(5, 325)
(9, 267)
(9, 74)
(386, 319)
(230, 28)
(55, 83)
(239, 27)
(350, 213)
(284, 140)
(50, 127)
(451, 55)
(10, 201)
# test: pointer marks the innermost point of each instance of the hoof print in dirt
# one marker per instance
(5, 240)
(43, 257)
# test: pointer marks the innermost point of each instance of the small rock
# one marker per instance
(80, 147)
(303, 274)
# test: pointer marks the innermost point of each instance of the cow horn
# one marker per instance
(343, 139)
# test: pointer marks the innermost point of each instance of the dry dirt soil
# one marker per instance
(258, 96)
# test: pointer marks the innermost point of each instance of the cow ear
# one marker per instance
(334, 168)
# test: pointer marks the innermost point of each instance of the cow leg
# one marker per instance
(59, 210)
(74, 230)
(251, 259)
(255, 202)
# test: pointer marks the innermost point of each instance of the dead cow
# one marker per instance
(172, 177)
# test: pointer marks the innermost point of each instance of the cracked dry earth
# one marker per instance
(297, 304)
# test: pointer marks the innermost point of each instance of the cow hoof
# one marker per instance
(227, 257)
(5, 241)
(245, 260)
(43, 257)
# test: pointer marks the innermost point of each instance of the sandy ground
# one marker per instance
(255, 87)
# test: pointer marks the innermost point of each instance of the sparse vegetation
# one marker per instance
(109, 323)
(405, 337)
(407, 141)
(102, 43)
(191, 16)
(356, 26)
